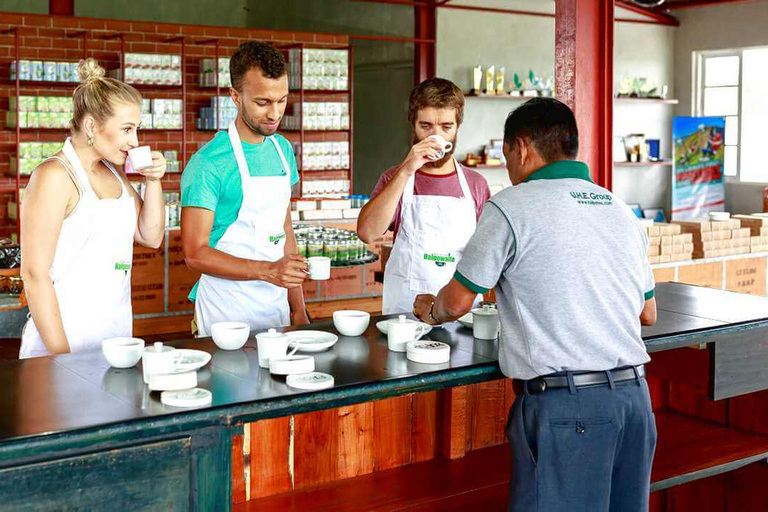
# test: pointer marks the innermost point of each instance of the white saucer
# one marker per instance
(191, 360)
(466, 320)
(428, 352)
(383, 326)
(313, 341)
(310, 381)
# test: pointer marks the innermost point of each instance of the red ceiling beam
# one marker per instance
(659, 17)
(699, 3)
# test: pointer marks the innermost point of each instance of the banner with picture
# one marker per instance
(698, 182)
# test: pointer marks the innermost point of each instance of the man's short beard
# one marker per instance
(439, 163)
(255, 127)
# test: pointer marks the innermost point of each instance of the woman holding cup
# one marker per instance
(80, 217)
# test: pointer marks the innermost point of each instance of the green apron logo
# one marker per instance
(439, 260)
(275, 239)
(120, 265)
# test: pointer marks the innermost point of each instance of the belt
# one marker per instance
(580, 380)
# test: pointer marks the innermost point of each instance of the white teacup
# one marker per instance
(159, 359)
(401, 331)
(485, 323)
(447, 146)
(140, 157)
(273, 345)
(319, 268)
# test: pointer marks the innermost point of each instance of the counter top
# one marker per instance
(55, 396)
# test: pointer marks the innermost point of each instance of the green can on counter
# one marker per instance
(301, 246)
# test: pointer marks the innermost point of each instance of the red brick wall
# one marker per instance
(43, 37)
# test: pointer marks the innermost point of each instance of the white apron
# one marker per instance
(257, 234)
(91, 268)
(432, 235)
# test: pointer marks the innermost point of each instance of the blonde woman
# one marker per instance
(79, 219)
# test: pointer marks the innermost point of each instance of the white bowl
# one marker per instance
(122, 352)
(350, 322)
(230, 335)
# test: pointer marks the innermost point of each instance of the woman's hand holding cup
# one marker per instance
(150, 164)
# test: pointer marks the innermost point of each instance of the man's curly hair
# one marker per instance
(256, 54)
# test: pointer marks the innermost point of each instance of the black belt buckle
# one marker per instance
(537, 385)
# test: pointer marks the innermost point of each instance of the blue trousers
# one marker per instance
(584, 449)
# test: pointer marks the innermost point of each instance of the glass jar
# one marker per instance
(343, 250)
(314, 246)
(301, 246)
(4, 284)
(331, 248)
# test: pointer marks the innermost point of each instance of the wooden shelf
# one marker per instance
(642, 164)
(40, 83)
(646, 100)
(157, 86)
(688, 449)
(500, 97)
(319, 91)
(312, 132)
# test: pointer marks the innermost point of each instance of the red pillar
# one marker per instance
(584, 78)
(424, 53)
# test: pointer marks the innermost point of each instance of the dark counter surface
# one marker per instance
(54, 396)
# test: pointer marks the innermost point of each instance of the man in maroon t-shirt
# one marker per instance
(430, 201)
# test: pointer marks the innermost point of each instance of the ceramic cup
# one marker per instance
(274, 345)
(159, 359)
(140, 157)
(447, 146)
(401, 331)
(319, 268)
(485, 323)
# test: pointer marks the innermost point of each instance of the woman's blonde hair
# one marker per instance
(97, 94)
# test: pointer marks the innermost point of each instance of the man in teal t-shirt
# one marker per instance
(235, 196)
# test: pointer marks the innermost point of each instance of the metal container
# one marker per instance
(331, 249)
(314, 245)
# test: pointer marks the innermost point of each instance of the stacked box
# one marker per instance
(666, 243)
(713, 239)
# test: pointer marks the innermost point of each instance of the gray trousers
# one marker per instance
(582, 449)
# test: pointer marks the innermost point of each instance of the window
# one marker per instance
(733, 84)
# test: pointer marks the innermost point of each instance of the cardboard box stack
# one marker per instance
(715, 238)
(758, 226)
(667, 244)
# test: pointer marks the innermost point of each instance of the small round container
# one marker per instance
(428, 352)
(187, 398)
(310, 381)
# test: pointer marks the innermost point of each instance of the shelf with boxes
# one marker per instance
(164, 79)
(685, 240)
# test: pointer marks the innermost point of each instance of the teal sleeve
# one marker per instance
(200, 184)
(290, 158)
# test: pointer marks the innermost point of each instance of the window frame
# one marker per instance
(697, 106)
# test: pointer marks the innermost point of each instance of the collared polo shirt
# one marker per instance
(568, 261)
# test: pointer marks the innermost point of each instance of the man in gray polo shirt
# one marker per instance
(568, 263)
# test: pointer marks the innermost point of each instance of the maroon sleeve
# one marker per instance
(383, 180)
(481, 192)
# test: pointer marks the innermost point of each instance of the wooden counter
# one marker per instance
(392, 434)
